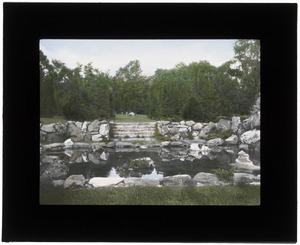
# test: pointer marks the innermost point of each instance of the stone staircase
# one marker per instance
(142, 131)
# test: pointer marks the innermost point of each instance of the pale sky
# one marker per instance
(110, 55)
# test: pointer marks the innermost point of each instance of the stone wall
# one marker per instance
(76, 131)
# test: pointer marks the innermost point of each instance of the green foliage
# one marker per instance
(192, 110)
(137, 195)
(158, 136)
(225, 175)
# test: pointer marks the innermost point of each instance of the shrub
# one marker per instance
(225, 175)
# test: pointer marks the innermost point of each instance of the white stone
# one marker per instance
(74, 181)
(250, 137)
(49, 128)
(233, 139)
(197, 126)
(206, 179)
(103, 182)
(97, 137)
(190, 123)
(243, 162)
(235, 121)
(195, 147)
(84, 126)
(165, 143)
(78, 124)
(104, 156)
(94, 126)
(223, 124)
(131, 114)
(68, 143)
(206, 129)
(104, 129)
(205, 150)
(182, 122)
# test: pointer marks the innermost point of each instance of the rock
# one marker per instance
(58, 183)
(140, 182)
(235, 122)
(182, 122)
(74, 181)
(131, 114)
(177, 144)
(68, 143)
(163, 122)
(197, 126)
(97, 147)
(163, 130)
(94, 126)
(74, 132)
(56, 170)
(60, 128)
(177, 180)
(205, 150)
(244, 147)
(104, 182)
(190, 123)
(104, 130)
(250, 137)
(124, 145)
(244, 178)
(49, 159)
(81, 145)
(194, 147)
(97, 137)
(93, 158)
(110, 145)
(84, 126)
(215, 142)
(104, 156)
(232, 140)
(78, 124)
(206, 179)
(206, 129)
(54, 146)
(223, 125)
(165, 143)
(48, 128)
(243, 162)
(176, 137)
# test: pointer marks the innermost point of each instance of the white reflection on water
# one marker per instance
(153, 175)
(113, 173)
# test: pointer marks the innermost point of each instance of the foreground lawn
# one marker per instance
(213, 195)
(136, 118)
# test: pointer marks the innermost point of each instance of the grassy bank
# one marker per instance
(56, 119)
(213, 195)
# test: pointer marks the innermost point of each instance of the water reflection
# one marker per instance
(154, 175)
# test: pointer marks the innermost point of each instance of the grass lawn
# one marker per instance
(211, 195)
(48, 120)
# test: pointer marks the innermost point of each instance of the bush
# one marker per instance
(225, 175)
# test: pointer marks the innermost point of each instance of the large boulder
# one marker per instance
(206, 179)
(207, 129)
(133, 181)
(74, 181)
(105, 182)
(178, 181)
(223, 125)
(48, 128)
(243, 162)
(97, 137)
(68, 143)
(244, 179)
(215, 142)
(54, 137)
(232, 140)
(104, 130)
(93, 158)
(94, 126)
(74, 132)
(197, 126)
(250, 137)
(60, 128)
(56, 170)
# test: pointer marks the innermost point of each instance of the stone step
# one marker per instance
(134, 123)
(134, 139)
(133, 129)
(133, 134)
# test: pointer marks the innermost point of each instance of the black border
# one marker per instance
(275, 220)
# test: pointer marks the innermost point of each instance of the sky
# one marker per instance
(110, 55)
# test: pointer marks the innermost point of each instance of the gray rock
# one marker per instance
(244, 178)
(58, 183)
(197, 126)
(250, 137)
(48, 128)
(215, 142)
(244, 147)
(93, 158)
(60, 128)
(54, 137)
(104, 156)
(177, 144)
(235, 122)
(104, 182)
(165, 143)
(206, 179)
(110, 145)
(104, 130)
(140, 182)
(190, 123)
(223, 125)
(97, 137)
(94, 126)
(84, 127)
(78, 124)
(232, 140)
(97, 147)
(206, 129)
(243, 162)
(175, 137)
(74, 181)
(49, 159)
(124, 145)
(176, 180)
(68, 143)
(74, 132)
(56, 170)
(54, 146)
(205, 150)
(78, 145)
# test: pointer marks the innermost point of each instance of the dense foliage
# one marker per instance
(198, 91)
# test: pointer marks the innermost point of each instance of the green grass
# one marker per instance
(211, 195)
(136, 118)
(55, 119)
